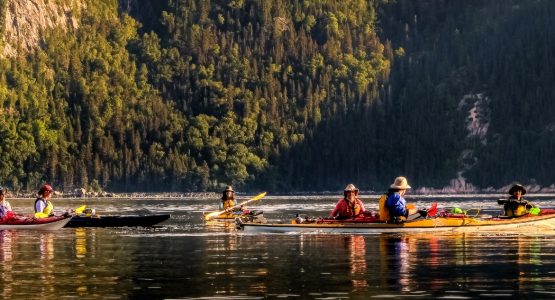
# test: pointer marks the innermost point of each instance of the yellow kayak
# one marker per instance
(544, 222)
(233, 215)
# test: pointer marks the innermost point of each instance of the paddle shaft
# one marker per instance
(218, 213)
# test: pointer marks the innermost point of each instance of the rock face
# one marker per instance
(25, 20)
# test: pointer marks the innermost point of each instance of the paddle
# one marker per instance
(215, 214)
(432, 211)
(424, 213)
(79, 210)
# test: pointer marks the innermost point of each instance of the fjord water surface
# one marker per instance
(186, 258)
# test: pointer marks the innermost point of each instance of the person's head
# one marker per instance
(351, 192)
(400, 185)
(228, 193)
(517, 191)
(45, 191)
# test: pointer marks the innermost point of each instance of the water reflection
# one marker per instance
(80, 242)
(394, 253)
(46, 246)
(7, 237)
(357, 261)
(47, 264)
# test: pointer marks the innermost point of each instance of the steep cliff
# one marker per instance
(24, 20)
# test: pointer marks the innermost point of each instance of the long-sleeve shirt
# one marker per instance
(397, 205)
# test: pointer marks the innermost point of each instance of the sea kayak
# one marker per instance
(545, 222)
(233, 215)
(116, 220)
(19, 222)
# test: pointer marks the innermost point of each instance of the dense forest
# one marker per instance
(283, 95)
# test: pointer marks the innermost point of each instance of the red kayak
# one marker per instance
(23, 222)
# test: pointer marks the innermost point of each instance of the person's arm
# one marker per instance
(397, 204)
(336, 209)
(362, 209)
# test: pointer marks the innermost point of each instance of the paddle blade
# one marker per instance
(258, 197)
(79, 210)
(212, 215)
(433, 210)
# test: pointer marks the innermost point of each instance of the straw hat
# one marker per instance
(400, 183)
(229, 189)
(351, 188)
(516, 187)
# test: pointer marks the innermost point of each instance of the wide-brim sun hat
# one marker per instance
(351, 188)
(516, 187)
(229, 189)
(400, 183)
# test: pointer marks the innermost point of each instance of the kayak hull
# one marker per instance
(117, 221)
(543, 223)
(230, 216)
(30, 223)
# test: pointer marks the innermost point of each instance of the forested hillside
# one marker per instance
(189, 95)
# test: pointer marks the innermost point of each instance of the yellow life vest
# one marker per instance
(384, 212)
(517, 211)
(229, 203)
(46, 211)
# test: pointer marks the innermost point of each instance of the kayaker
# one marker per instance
(43, 206)
(395, 203)
(228, 199)
(348, 207)
(515, 206)
(5, 207)
(3, 202)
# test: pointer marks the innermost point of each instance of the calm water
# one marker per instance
(186, 258)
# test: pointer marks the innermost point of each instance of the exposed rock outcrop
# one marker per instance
(25, 20)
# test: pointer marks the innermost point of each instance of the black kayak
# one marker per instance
(116, 221)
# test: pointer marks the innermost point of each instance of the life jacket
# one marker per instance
(355, 209)
(515, 208)
(45, 213)
(229, 203)
(3, 211)
(346, 210)
(384, 211)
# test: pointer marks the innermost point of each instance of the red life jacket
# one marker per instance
(344, 208)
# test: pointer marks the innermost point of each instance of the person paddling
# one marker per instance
(228, 201)
(43, 206)
(350, 206)
(5, 207)
(395, 204)
(228, 198)
(515, 206)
